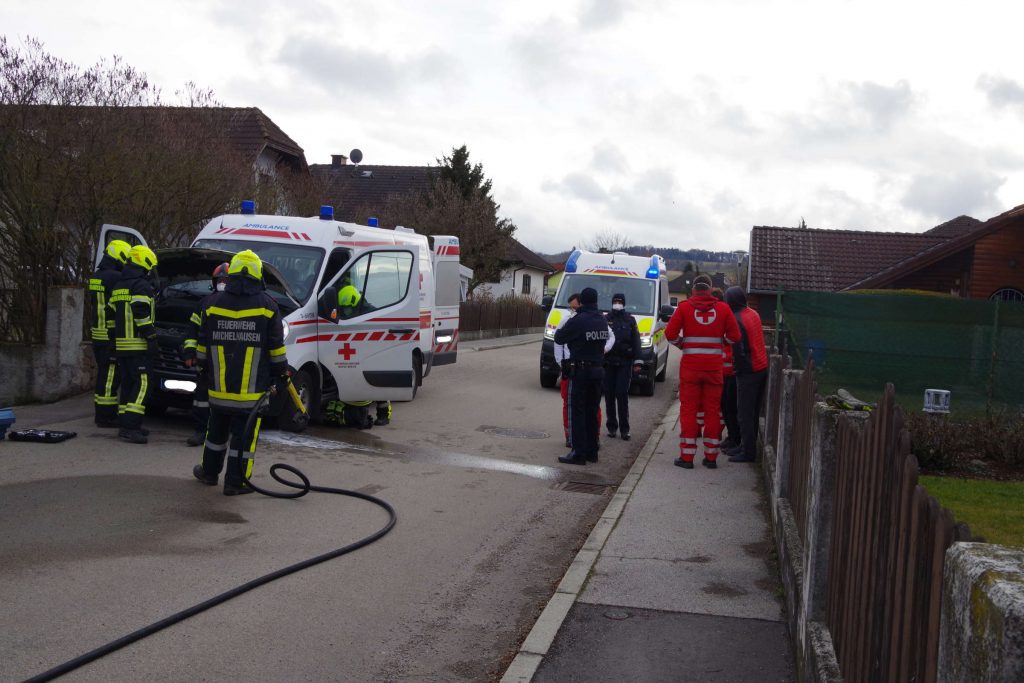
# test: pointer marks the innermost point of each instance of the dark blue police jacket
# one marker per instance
(585, 334)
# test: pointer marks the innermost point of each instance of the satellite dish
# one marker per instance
(356, 156)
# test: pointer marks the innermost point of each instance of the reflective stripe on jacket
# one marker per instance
(134, 311)
(101, 287)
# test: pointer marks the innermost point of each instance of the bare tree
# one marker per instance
(609, 240)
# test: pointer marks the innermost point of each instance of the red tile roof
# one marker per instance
(795, 259)
(351, 188)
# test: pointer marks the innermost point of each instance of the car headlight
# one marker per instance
(646, 342)
(285, 326)
(549, 333)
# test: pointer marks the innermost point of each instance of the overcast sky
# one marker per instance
(675, 123)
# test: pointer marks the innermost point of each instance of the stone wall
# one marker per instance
(61, 367)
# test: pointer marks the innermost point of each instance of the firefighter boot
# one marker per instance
(199, 473)
(197, 439)
(132, 435)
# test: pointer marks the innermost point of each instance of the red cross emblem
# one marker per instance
(705, 317)
(346, 351)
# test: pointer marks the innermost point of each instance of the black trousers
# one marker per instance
(616, 396)
(201, 403)
(584, 402)
(749, 392)
(226, 436)
(134, 370)
(730, 408)
(107, 381)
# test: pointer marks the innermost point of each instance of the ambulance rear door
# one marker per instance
(370, 347)
(447, 297)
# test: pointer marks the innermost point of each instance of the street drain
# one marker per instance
(582, 487)
(512, 432)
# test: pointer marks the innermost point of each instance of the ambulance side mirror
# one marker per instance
(665, 314)
(547, 302)
(327, 306)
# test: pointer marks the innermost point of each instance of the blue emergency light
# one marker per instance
(570, 264)
(655, 269)
(248, 207)
(327, 212)
(6, 420)
(372, 221)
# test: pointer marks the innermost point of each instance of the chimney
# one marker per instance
(338, 160)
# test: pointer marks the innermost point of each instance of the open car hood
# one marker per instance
(197, 263)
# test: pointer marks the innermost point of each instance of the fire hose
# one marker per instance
(304, 487)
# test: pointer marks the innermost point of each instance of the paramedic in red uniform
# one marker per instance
(699, 327)
(751, 365)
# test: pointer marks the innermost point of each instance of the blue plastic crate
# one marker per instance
(6, 420)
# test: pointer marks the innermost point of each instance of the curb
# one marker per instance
(538, 641)
(503, 346)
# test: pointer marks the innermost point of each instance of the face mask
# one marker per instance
(617, 307)
(221, 286)
(572, 312)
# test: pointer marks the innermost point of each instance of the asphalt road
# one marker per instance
(99, 537)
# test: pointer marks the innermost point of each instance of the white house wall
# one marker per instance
(512, 283)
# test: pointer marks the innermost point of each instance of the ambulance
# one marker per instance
(405, 323)
(643, 281)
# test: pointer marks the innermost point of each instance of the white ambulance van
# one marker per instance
(642, 279)
(405, 323)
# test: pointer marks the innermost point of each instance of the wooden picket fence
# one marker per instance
(888, 541)
(503, 313)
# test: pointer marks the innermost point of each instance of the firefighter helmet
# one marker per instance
(247, 263)
(348, 297)
(220, 272)
(143, 256)
(119, 250)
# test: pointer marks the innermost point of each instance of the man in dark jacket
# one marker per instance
(585, 334)
(241, 341)
(134, 340)
(101, 288)
(750, 362)
(620, 363)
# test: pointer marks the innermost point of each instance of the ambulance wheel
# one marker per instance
(291, 418)
(661, 375)
(417, 373)
(548, 381)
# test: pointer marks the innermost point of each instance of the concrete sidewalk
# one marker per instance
(675, 583)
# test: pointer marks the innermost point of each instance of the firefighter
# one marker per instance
(101, 287)
(241, 340)
(134, 340)
(348, 301)
(699, 326)
(200, 400)
(751, 365)
(562, 358)
(620, 363)
(729, 405)
(585, 334)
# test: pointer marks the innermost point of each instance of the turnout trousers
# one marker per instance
(749, 392)
(201, 403)
(584, 404)
(107, 381)
(564, 387)
(226, 436)
(134, 371)
(616, 396)
(699, 390)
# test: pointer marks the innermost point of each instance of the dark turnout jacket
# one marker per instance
(101, 287)
(134, 310)
(241, 342)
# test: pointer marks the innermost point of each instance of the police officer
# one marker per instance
(585, 335)
(101, 287)
(620, 363)
(200, 400)
(134, 340)
(241, 339)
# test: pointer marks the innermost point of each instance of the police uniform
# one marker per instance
(619, 363)
(101, 288)
(585, 334)
(241, 342)
(134, 340)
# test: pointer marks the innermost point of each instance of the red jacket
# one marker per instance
(727, 368)
(750, 355)
(699, 327)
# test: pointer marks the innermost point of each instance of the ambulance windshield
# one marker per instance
(298, 264)
(639, 292)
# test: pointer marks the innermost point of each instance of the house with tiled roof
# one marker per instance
(962, 257)
(523, 273)
(351, 188)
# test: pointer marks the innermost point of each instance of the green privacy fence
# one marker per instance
(975, 349)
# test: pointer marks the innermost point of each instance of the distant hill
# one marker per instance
(675, 259)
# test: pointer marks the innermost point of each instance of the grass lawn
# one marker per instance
(993, 509)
